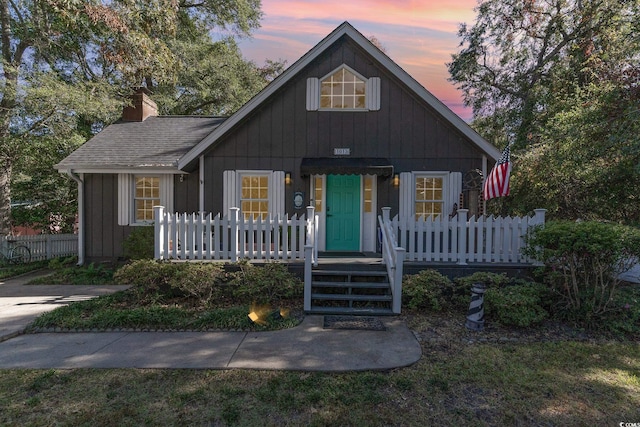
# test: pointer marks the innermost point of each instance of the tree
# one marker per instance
(67, 66)
(557, 79)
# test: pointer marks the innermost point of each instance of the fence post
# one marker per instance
(158, 230)
(386, 214)
(233, 225)
(397, 279)
(462, 236)
(311, 234)
(308, 251)
(539, 216)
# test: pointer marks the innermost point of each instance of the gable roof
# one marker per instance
(155, 143)
(189, 160)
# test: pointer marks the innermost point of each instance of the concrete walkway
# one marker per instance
(307, 347)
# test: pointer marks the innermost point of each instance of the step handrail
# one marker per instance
(392, 257)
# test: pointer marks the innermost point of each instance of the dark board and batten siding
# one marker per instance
(104, 238)
(407, 131)
(103, 235)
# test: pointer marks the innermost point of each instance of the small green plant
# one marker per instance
(427, 289)
(139, 244)
(517, 305)
(583, 260)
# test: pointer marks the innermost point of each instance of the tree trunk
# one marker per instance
(5, 197)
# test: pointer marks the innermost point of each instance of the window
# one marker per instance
(342, 90)
(254, 196)
(368, 194)
(429, 197)
(146, 196)
(317, 192)
(138, 194)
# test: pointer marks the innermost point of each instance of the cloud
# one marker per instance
(419, 35)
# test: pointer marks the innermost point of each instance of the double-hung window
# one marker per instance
(429, 196)
(254, 196)
(259, 194)
(139, 193)
(146, 196)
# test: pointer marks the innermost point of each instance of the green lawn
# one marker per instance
(457, 384)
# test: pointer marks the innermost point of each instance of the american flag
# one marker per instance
(497, 183)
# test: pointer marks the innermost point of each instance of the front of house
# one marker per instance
(344, 129)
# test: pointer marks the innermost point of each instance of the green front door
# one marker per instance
(343, 213)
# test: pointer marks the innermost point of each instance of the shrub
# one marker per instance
(203, 281)
(583, 260)
(150, 280)
(517, 305)
(461, 293)
(266, 284)
(139, 244)
(427, 289)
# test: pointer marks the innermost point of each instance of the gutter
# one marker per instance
(80, 182)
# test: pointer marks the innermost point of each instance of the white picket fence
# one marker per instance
(207, 237)
(45, 246)
(463, 240)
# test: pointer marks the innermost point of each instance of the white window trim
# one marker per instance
(126, 196)
(232, 183)
(371, 93)
(408, 191)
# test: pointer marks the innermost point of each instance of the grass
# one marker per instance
(10, 270)
(65, 273)
(560, 383)
(122, 310)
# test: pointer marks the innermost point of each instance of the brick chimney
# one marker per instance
(141, 107)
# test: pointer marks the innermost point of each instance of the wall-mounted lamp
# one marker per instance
(396, 180)
(287, 178)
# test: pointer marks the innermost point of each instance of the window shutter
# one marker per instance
(124, 198)
(455, 188)
(276, 195)
(313, 94)
(230, 197)
(373, 93)
(407, 188)
(166, 192)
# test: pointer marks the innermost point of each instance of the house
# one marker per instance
(344, 129)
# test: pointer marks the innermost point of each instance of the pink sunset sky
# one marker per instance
(419, 35)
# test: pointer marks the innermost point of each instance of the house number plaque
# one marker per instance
(342, 151)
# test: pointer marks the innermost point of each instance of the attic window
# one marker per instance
(342, 90)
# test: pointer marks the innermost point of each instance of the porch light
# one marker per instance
(396, 180)
(287, 178)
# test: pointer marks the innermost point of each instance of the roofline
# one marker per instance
(120, 169)
(343, 29)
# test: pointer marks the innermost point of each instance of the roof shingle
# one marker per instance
(156, 142)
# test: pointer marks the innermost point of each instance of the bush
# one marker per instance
(151, 280)
(266, 284)
(154, 281)
(583, 260)
(426, 290)
(461, 295)
(139, 244)
(517, 305)
(203, 281)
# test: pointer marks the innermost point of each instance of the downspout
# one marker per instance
(80, 182)
(201, 185)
